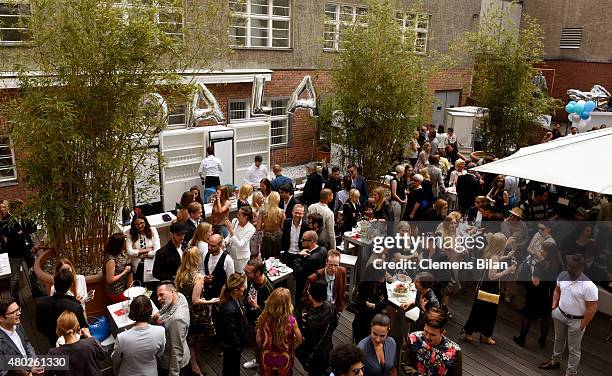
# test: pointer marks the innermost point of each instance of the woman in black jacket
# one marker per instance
(351, 211)
(371, 299)
(233, 326)
(319, 324)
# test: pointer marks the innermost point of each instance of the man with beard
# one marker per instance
(430, 352)
(174, 316)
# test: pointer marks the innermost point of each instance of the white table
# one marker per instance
(5, 266)
(122, 322)
(412, 314)
(349, 262)
(284, 275)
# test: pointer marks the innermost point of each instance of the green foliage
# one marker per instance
(379, 88)
(81, 121)
(504, 60)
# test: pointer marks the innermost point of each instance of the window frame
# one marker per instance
(404, 21)
(12, 166)
(176, 113)
(248, 17)
(15, 3)
(337, 23)
(266, 102)
(127, 4)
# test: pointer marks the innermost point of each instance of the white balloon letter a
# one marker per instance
(211, 111)
(309, 103)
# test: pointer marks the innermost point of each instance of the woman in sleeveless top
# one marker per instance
(398, 193)
(499, 195)
(257, 203)
(270, 221)
(220, 211)
(117, 269)
(277, 334)
(189, 282)
(484, 314)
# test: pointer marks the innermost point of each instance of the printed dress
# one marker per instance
(420, 358)
(201, 328)
(277, 361)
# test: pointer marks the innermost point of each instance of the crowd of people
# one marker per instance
(211, 283)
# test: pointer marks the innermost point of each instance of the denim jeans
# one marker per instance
(567, 330)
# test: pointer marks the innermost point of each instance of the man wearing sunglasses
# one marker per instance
(13, 339)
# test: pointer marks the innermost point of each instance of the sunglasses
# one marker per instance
(357, 371)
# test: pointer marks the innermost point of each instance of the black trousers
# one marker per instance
(212, 182)
(231, 362)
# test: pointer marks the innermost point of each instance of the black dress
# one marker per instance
(201, 327)
(483, 314)
(368, 291)
(538, 299)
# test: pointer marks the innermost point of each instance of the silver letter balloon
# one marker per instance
(257, 110)
(211, 111)
(309, 103)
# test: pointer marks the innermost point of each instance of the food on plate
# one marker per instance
(400, 288)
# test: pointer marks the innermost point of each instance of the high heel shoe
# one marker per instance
(468, 338)
(487, 340)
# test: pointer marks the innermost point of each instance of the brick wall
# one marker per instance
(563, 75)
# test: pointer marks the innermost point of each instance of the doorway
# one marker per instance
(444, 99)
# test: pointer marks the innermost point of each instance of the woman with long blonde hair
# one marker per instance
(246, 190)
(270, 222)
(382, 207)
(200, 238)
(78, 289)
(190, 282)
(257, 204)
(277, 334)
(484, 310)
(233, 327)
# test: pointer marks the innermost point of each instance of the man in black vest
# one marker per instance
(168, 258)
(218, 266)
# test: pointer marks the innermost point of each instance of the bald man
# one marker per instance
(280, 179)
(217, 266)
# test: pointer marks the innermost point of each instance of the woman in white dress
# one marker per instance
(239, 239)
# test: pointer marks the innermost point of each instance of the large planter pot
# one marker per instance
(324, 156)
(95, 307)
(477, 155)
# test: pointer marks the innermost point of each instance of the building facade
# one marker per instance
(285, 40)
(577, 47)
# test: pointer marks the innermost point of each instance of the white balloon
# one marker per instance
(157, 100)
(259, 81)
(309, 103)
(211, 111)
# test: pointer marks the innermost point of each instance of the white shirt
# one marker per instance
(454, 176)
(228, 265)
(203, 247)
(134, 247)
(328, 221)
(210, 166)
(511, 186)
(574, 294)
(254, 174)
(294, 238)
(14, 336)
(441, 137)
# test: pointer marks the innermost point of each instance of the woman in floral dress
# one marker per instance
(277, 334)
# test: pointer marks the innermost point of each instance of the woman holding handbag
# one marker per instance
(319, 324)
(484, 309)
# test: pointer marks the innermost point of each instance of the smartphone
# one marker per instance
(90, 294)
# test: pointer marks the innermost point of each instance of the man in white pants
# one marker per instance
(574, 305)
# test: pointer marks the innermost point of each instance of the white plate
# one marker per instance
(133, 292)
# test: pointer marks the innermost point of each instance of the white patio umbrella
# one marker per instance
(580, 161)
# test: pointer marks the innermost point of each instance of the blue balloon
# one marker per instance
(585, 115)
(569, 108)
(579, 107)
(589, 106)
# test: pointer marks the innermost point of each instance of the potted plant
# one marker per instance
(84, 121)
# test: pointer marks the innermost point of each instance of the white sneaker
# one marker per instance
(251, 364)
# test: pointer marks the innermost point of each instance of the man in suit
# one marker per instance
(311, 258)
(335, 184)
(335, 276)
(195, 216)
(293, 229)
(468, 187)
(359, 183)
(49, 308)
(13, 339)
(279, 179)
(168, 258)
(287, 200)
(313, 185)
(435, 176)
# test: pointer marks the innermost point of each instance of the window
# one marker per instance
(178, 117)
(13, 23)
(8, 171)
(279, 122)
(417, 25)
(571, 37)
(338, 18)
(167, 16)
(260, 23)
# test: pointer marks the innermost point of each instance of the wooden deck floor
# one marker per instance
(506, 358)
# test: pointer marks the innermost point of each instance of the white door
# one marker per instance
(224, 150)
